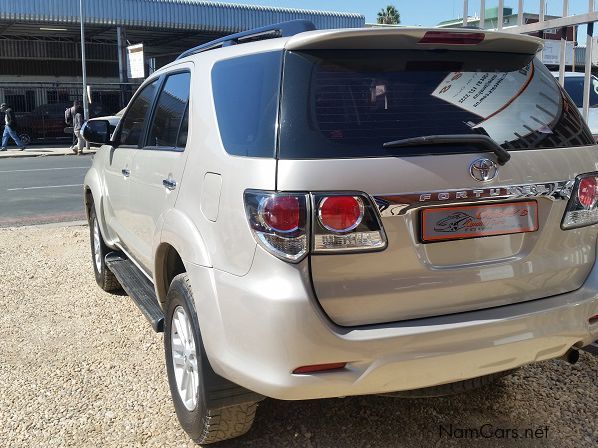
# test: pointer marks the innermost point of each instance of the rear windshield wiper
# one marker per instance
(502, 155)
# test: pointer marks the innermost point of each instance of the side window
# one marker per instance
(172, 103)
(246, 93)
(132, 128)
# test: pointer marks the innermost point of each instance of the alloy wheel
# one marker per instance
(184, 358)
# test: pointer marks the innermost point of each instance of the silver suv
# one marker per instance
(314, 214)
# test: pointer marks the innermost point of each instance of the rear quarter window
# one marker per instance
(246, 92)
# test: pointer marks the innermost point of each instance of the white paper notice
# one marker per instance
(481, 93)
(510, 105)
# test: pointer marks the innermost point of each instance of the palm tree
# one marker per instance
(389, 16)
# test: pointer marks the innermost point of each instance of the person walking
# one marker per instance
(69, 116)
(78, 121)
(10, 128)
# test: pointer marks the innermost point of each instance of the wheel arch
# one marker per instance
(168, 264)
(92, 196)
(180, 242)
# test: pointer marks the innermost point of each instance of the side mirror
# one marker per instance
(97, 132)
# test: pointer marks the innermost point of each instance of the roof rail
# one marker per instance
(282, 29)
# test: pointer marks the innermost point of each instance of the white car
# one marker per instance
(574, 87)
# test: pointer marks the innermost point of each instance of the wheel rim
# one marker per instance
(97, 248)
(184, 358)
(25, 139)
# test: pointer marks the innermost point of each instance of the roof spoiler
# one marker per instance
(282, 29)
(463, 39)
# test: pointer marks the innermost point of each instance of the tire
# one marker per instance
(202, 421)
(445, 390)
(104, 277)
(25, 137)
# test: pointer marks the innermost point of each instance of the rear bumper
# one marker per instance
(258, 328)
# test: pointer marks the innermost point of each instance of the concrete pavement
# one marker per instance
(41, 150)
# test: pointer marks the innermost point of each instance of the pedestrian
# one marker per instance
(69, 116)
(10, 128)
(78, 121)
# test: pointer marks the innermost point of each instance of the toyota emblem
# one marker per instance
(483, 170)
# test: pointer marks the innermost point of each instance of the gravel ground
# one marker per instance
(80, 367)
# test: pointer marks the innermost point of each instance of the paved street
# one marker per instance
(35, 190)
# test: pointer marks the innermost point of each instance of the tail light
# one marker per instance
(581, 209)
(346, 223)
(281, 223)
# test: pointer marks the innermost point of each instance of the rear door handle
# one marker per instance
(169, 183)
(126, 172)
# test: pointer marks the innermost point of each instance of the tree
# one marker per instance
(389, 15)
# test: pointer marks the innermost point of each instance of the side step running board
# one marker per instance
(138, 287)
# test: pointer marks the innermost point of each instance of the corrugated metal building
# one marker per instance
(40, 40)
(169, 14)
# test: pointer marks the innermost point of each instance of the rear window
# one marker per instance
(349, 103)
(246, 91)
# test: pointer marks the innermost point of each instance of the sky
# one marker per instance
(419, 12)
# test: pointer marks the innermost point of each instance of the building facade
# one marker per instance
(40, 47)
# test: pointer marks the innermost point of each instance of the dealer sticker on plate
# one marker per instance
(472, 221)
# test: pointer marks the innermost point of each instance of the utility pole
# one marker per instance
(83, 64)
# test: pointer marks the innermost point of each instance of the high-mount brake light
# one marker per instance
(284, 225)
(452, 38)
(582, 209)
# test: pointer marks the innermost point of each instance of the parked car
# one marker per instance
(280, 208)
(574, 87)
(46, 122)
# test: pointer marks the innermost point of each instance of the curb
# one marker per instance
(51, 154)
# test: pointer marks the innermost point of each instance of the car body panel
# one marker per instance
(410, 279)
(290, 330)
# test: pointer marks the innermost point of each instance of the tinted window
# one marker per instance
(169, 111)
(574, 87)
(246, 93)
(134, 120)
(349, 103)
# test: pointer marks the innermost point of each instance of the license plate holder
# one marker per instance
(458, 222)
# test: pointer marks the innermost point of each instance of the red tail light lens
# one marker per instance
(587, 191)
(341, 213)
(452, 38)
(281, 213)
